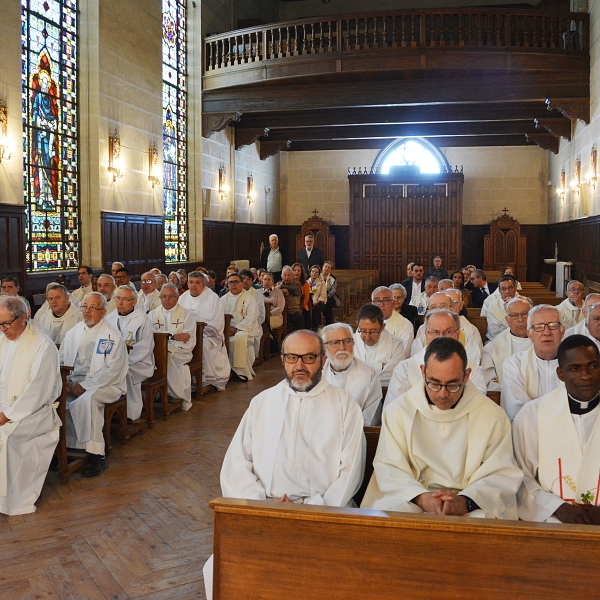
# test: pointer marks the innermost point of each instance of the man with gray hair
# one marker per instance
(570, 308)
(531, 374)
(395, 323)
(29, 427)
(581, 327)
(148, 298)
(62, 315)
(107, 287)
(272, 258)
(344, 370)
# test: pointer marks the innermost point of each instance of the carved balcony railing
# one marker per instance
(467, 28)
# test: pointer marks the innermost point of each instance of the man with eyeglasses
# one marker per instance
(581, 327)
(85, 275)
(123, 278)
(206, 307)
(374, 345)
(494, 306)
(98, 356)
(170, 317)
(136, 330)
(107, 287)
(149, 296)
(444, 448)
(481, 288)
(61, 316)
(344, 370)
(532, 374)
(395, 323)
(509, 342)
(441, 322)
(571, 307)
(29, 427)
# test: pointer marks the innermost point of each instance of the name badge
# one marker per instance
(105, 347)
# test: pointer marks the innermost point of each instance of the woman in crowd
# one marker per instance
(300, 277)
(331, 283)
(175, 279)
(458, 279)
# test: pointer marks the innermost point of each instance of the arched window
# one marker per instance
(411, 152)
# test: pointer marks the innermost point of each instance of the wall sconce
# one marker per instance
(114, 156)
(591, 176)
(4, 149)
(223, 187)
(250, 193)
(576, 183)
(153, 165)
(561, 190)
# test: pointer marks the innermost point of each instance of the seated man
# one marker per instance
(85, 275)
(205, 305)
(244, 328)
(10, 285)
(509, 342)
(179, 323)
(107, 287)
(531, 374)
(438, 323)
(301, 441)
(148, 298)
(374, 345)
(99, 360)
(62, 315)
(481, 289)
(161, 280)
(445, 448)
(395, 323)
(136, 330)
(344, 370)
(115, 267)
(29, 427)
(123, 278)
(557, 442)
(570, 307)
(292, 292)
(422, 300)
(581, 327)
(458, 307)
(494, 306)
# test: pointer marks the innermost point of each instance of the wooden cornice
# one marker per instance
(268, 148)
(213, 122)
(557, 127)
(245, 137)
(547, 141)
(573, 108)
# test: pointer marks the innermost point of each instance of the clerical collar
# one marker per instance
(127, 313)
(582, 408)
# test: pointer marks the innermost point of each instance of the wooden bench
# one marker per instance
(281, 550)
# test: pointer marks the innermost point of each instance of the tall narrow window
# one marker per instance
(174, 131)
(49, 85)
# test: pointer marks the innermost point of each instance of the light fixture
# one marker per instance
(591, 177)
(250, 193)
(576, 183)
(153, 165)
(223, 187)
(561, 190)
(114, 156)
(4, 149)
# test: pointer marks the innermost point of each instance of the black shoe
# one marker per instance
(236, 377)
(96, 464)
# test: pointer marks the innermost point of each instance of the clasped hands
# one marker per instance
(76, 389)
(442, 502)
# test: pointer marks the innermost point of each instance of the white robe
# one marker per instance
(29, 440)
(465, 326)
(179, 379)
(362, 382)
(46, 307)
(536, 501)
(496, 352)
(402, 328)
(494, 309)
(58, 326)
(260, 305)
(466, 449)
(407, 374)
(147, 303)
(137, 333)
(580, 329)
(99, 358)
(471, 347)
(215, 362)
(83, 291)
(383, 356)
(570, 315)
(526, 377)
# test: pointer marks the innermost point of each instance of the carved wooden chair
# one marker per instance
(481, 324)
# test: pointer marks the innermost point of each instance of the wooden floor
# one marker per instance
(143, 528)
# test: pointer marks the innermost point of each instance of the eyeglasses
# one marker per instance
(121, 299)
(234, 282)
(307, 359)
(338, 343)
(552, 326)
(365, 332)
(452, 388)
(382, 301)
(446, 333)
(148, 281)
(577, 290)
(85, 307)
(521, 315)
(82, 273)
(6, 325)
(169, 297)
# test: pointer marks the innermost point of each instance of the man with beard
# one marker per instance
(344, 370)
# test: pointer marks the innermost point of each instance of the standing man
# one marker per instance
(310, 255)
(10, 285)
(148, 298)
(272, 258)
(85, 275)
(481, 288)
(247, 284)
(437, 271)
(62, 315)
(415, 284)
(571, 307)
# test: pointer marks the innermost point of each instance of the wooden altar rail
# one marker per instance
(278, 550)
(567, 32)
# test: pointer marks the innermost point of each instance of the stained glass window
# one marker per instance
(174, 131)
(49, 84)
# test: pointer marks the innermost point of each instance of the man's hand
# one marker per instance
(283, 498)
(454, 505)
(430, 503)
(285, 292)
(181, 337)
(577, 513)
(232, 331)
(77, 390)
(3, 419)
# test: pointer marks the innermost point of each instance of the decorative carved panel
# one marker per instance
(324, 240)
(12, 242)
(505, 246)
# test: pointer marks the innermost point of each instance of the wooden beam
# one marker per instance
(557, 127)
(211, 123)
(245, 137)
(547, 141)
(573, 108)
(271, 148)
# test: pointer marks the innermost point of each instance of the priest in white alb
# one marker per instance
(532, 374)
(571, 307)
(46, 307)
(29, 427)
(376, 346)
(344, 370)
(444, 448)
(509, 342)
(85, 276)
(494, 306)
(98, 356)
(148, 298)
(247, 283)
(170, 317)
(205, 305)
(395, 323)
(107, 287)
(137, 332)
(62, 315)
(244, 327)
(438, 323)
(557, 442)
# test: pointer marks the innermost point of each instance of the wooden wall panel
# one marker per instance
(12, 242)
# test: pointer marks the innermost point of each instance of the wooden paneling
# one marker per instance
(138, 241)
(12, 242)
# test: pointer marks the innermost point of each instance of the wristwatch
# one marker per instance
(471, 505)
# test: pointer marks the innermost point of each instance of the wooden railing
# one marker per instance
(474, 28)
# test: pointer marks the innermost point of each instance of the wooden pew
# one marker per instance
(281, 550)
